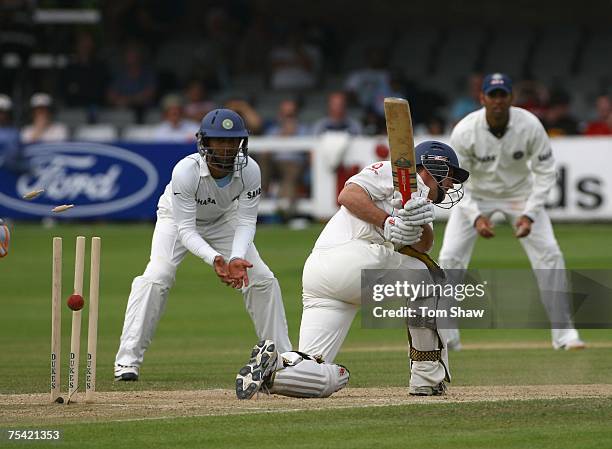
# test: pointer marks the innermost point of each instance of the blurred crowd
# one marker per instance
(165, 64)
(179, 60)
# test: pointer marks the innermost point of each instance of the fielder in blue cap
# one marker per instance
(512, 170)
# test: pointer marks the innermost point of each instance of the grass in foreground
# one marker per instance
(554, 424)
(205, 332)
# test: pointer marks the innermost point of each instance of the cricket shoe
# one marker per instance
(255, 374)
(437, 390)
(572, 345)
(126, 373)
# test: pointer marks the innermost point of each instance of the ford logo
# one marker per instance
(87, 174)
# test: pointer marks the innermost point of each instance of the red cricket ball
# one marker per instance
(382, 151)
(75, 302)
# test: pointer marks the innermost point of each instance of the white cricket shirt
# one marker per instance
(376, 179)
(517, 166)
(193, 198)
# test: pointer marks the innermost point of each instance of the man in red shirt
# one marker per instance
(603, 125)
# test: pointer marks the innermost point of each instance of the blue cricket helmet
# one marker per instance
(224, 124)
(442, 163)
(432, 150)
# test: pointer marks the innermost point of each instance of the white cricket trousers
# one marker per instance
(540, 245)
(149, 293)
(332, 295)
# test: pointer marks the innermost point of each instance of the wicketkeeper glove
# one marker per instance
(399, 233)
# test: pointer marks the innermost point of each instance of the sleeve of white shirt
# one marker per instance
(376, 180)
(246, 219)
(185, 178)
(543, 169)
(460, 145)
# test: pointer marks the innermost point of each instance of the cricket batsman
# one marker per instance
(512, 168)
(364, 234)
(209, 208)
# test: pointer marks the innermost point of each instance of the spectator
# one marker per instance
(436, 126)
(253, 120)
(469, 101)
(532, 96)
(337, 118)
(175, 127)
(134, 84)
(603, 125)
(19, 38)
(557, 119)
(213, 56)
(395, 87)
(372, 123)
(149, 21)
(43, 129)
(9, 135)
(362, 85)
(255, 46)
(287, 122)
(294, 64)
(290, 166)
(197, 105)
(85, 79)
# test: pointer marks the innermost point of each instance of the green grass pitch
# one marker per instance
(205, 335)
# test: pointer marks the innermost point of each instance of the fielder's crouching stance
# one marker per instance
(363, 234)
(209, 208)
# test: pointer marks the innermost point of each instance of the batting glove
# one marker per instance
(417, 212)
(396, 201)
(401, 234)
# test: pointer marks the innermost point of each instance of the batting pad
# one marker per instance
(306, 378)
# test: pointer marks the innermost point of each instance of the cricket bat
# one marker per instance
(403, 164)
(401, 144)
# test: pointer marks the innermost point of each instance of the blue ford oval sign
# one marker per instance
(99, 179)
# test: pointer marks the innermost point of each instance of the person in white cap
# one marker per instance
(43, 128)
(512, 168)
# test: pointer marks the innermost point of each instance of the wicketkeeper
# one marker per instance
(209, 208)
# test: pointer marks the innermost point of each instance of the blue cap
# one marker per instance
(496, 81)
